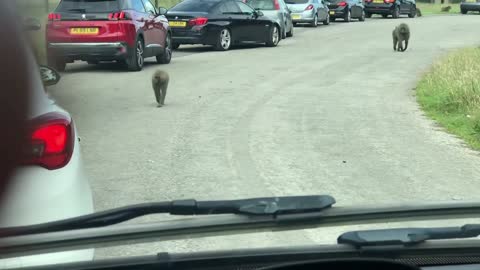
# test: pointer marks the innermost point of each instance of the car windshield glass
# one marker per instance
(88, 6)
(195, 5)
(335, 1)
(296, 1)
(261, 4)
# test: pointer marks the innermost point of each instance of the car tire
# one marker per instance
(384, 15)
(136, 58)
(224, 40)
(327, 20)
(274, 36)
(175, 46)
(396, 12)
(368, 14)
(463, 11)
(413, 12)
(348, 16)
(290, 34)
(362, 17)
(314, 23)
(166, 55)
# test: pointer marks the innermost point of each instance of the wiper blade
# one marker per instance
(256, 206)
(81, 10)
(406, 236)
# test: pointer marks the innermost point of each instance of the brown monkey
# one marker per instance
(446, 9)
(419, 12)
(160, 84)
(400, 33)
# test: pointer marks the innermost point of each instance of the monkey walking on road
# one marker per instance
(400, 34)
(419, 12)
(446, 9)
(160, 84)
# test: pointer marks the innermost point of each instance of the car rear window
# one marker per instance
(296, 1)
(88, 6)
(195, 5)
(261, 4)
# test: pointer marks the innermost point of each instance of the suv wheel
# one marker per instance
(166, 56)
(315, 21)
(396, 12)
(463, 11)
(224, 40)
(327, 20)
(413, 12)
(290, 34)
(362, 17)
(135, 61)
(348, 16)
(274, 36)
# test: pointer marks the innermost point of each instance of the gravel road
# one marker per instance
(330, 111)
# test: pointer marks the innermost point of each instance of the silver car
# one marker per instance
(276, 10)
(309, 11)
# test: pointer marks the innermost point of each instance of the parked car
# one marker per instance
(309, 11)
(276, 10)
(469, 5)
(346, 10)
(390, 7)
(220, 23)
(105, 30)
(52, 184)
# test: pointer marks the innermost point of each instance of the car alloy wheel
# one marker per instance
(275, 35)
(348, 16)
(225, 39)
(315, 21)
(139, 52)
(327, 20)
(362, 18)
(396, 13)
(166, 56)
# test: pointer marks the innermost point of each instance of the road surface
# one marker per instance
(329, 111)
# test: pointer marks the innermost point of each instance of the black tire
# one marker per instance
(314, 23)
(384, 15)
(463, 11)
(135, 60)
(274, 36)
(396, 12)
(175, 46)
(224, 40)
(348, 15)
(413, 12)
(362, 17)
(166, 56)
(368, 14)
(327, 20)
(332, 19)
(290, 34)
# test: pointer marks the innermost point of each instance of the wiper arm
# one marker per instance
(80, 10)
(255, 206)
(406, 236)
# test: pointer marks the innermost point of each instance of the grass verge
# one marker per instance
(450, 94)
(431, 9)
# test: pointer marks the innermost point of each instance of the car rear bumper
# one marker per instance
(470, 6)
(302, 17)
(200, 36)
(89, 50)
(379, 8)
(337, 13)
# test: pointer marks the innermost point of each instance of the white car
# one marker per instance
(51, 185)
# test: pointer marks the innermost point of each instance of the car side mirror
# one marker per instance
(162, 11)
(258, 13)
(49, 75)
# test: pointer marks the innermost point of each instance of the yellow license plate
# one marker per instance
(378, 1)
(296, 17)
(177, 24)
(332, 12)
(84, 31)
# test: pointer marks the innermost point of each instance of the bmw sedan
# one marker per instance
(390, 7)
(309, 11)
(469, 5)
(220, 23)
(346, 10)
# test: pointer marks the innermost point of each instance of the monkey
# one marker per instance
(160, 81)
(400, 33)
(419, 12)
(446, 9)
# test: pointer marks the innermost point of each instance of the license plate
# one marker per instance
(177, 24)
(378, 1)
(84, 31)
(296, 17)
(332, 12)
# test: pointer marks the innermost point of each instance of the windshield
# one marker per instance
(372, 103)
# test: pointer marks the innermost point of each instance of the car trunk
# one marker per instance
(297, 7)
(178, 20)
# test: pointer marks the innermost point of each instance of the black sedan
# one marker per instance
(390, 7)
(469, 5)
(221, 23)
(346, 10)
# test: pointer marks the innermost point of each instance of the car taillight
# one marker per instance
(342, 4)
(368, 1)
(54, 17)
(309, 7)
(50, 143)
(119, 16)
(277, 4)
(389, 1)
(198, 21)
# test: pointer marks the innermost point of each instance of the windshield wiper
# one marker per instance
(80, 10)
(256, 206)
(406, 236)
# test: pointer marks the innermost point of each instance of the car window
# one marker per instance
(230, 6)
(261, 4)
(195, 5)
(245, 8)
(88, 6)
(149, 7)
(137, 5)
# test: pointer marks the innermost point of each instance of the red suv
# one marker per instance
(126, 31)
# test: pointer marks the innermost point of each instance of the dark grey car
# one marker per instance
(277, 11)
(309, 11)
(469, 5)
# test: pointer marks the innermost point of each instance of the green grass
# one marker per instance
(430, 9)
(450, 94)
